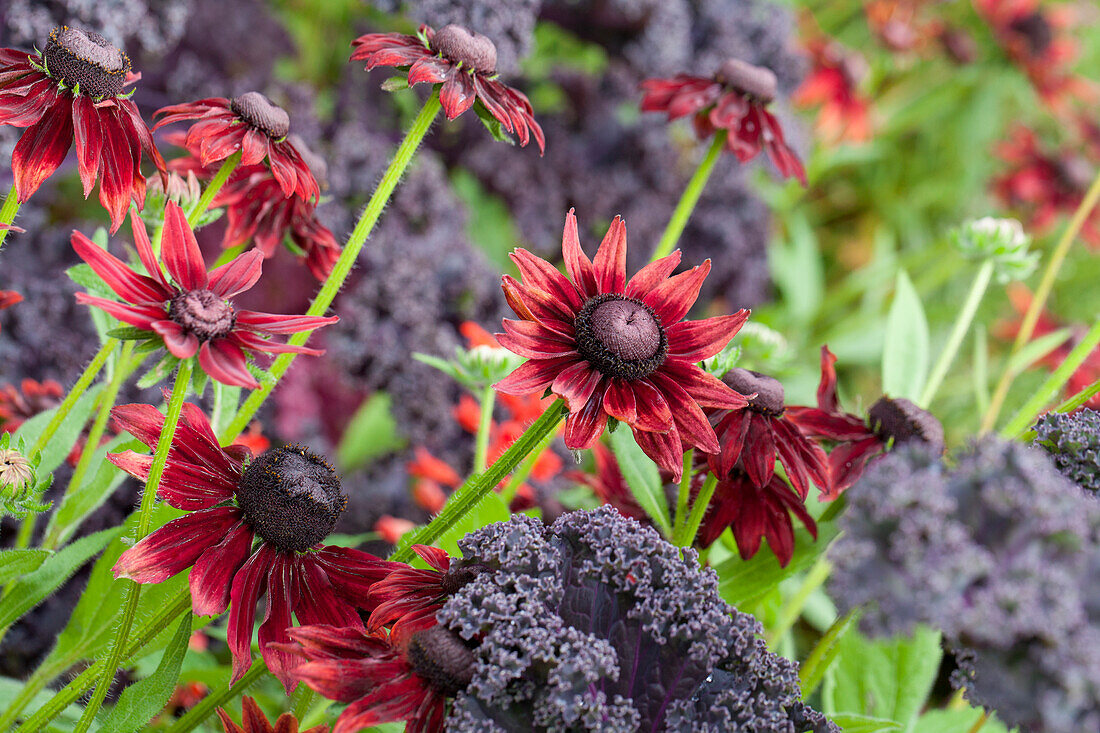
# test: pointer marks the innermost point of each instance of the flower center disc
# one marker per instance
(439, 656)
(903, 421)
(769, 392)
(262, 114)
(203, 314)
(474, 51)
(621, 337)
(87, 59)
(1036, 30)
(756, 81)
(291, 498)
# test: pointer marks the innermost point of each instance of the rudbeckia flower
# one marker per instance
(190, 309)
(734, 99)
(254, 526)
(251, 123)
(253, 720)
(407, 595)
(464, 64)
(73, 92)
(619, 349)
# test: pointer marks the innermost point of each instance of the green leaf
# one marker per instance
(1036, 349)
(492, 124)
(643, 479)
(11, 689)
(14, 563)
(129, 333)
(79, 504)
(742, 582)
(372, 432)
(956, 721)
(226, 400)
(159, 372)
(58, 448)
(31, 589)
(812, 671)
(905, 351)
(863, 724)
(797, 268)
(142, 700)
(888, 679)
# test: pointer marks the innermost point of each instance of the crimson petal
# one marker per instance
(226, 363)
(248, 584)
(211, 575)
(181, 252)
(175, 546)
(42, 147)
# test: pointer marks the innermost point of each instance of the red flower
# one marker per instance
(406, 676)
(73, 91)
(734, 99)
(464, 63)
(1045, 185)
(392, 529)
(258, 212)
(8, 298)
(613, 348)
(251, 123)
(255, 721)
(288, 499)
(409, 595)
(19, 405)
(192, 313)
(752, 437)
(831, 84)
(754, 513)
(889, 422)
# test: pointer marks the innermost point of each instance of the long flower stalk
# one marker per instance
(133, 591)
(690, 198)
(227, 167)
(958, 332)
(1031, 317)
(344, 265)
(485, 425)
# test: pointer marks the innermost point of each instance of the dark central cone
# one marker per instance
(621, 337)
(1036, 30)
(86, 59)
(202, 313)
(903, 421)
(291, 498)
(769, 392)
(1075, 172)
(458, 576)
(473, 50)
(442, 658)
(263, 114)
(756, 81)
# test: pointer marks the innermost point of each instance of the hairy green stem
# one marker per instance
(690, 197)
(508, 493)
(73, 691)
(1027, 415)
(148, 496)
(343, 266)
(479, 485)
(485, 425)
(196, 715)
(686, 538)
(958, 332)
(228, 166)
(684, 494)
(1031, 317)
(125, 367)
(8, 212)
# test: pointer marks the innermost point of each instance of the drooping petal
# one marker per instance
(42, 147)
(175, 546)
(758, 452)
(619, 401)
(654, 413)
(181, 343)
(575, 384)
(248, 584)
(211, 576)
(89, 140)
(457, 94)
(117, 164)
(690, 421)
(282, 584)
(181, 253)
(226, 363)
(352, 572)
(666, 450)
(316, 599)
(585, 427)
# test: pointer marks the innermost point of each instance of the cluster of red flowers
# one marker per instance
(832, 85)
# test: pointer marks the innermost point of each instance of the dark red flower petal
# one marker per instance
(42, 147)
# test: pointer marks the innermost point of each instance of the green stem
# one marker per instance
(26, 529)
(83, 682)
(481, 444)
(304, 697)
(8, 212)
(525, 469)
(1031, 317)
(228, 255)
(342, 269)
(125, 367)
(1080, 398)
(196, 715)
(148, 496)
(212, 188)
(980, 722)
(1027, 415)
(690, 197)
(479, 485)
(958, 332)
(792, 609)
(698, 510)
(684, 494)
